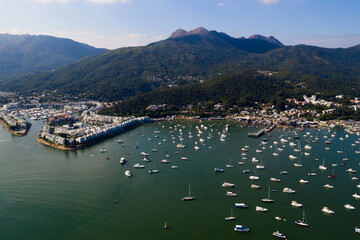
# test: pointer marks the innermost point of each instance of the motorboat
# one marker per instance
(165, 161)
(138, 165)
(296, 204)
(122, 161)
(350, 207)
(145, 159)
(283, 172)
(350, 170)
(246, 171)
(231, 194)
(357, 196)
(261, 209)
(259, 166)
(228, 185)
(327, 210)
(328, 186)
(272, 179)
(241, 205)
(218, 170)
(292, 157)
(254, 177)
(303, 181)
(241, 228)
(154, 171)
(144, 154)
(254, 186)
(288, 190)
(128, 173)
(279, 235)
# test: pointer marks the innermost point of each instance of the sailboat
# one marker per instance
(340, 150)
(188, 198)
(298, 164)
(332, 176)
(313, 173)
(229, 165)
(268, 200)
(299, 148)
(322, 167)
(302, 222)
(231, 216)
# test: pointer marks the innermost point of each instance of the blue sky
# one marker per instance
(120, 23)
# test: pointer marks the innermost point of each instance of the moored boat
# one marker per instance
(228, 185)
(279, 235)
(241, 228)
(327, 210)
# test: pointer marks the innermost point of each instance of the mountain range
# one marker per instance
(24, 54)
(202, 59)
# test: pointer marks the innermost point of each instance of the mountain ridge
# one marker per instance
(25, 53)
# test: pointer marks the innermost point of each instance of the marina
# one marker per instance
(79, 194)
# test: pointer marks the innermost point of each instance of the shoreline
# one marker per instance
(18, 134)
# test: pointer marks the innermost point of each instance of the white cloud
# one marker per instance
(221, 4)
(267, 2)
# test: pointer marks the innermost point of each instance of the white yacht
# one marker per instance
(308, 147)
(292, 157)
(350, 207)
(261, 209)
(350, 170)
(254, 177)
(272, 179)
(296, 204)
(228, 185)
(357, 196)
(328, 186)
(260, 166)
(303, 181)
(138, 165)
(128, 173)
(288, 190)
(327, 210)
(231, 194)
(254, 186)
(241, 205)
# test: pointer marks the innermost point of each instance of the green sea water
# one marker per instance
(47, 193)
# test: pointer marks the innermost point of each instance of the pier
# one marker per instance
(257, 134)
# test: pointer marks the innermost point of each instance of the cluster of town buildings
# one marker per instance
(14, 120)
(70, 132)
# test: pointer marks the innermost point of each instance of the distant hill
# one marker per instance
(23, 54)
(183, 58)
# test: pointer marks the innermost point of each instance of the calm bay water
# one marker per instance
(51, 194)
